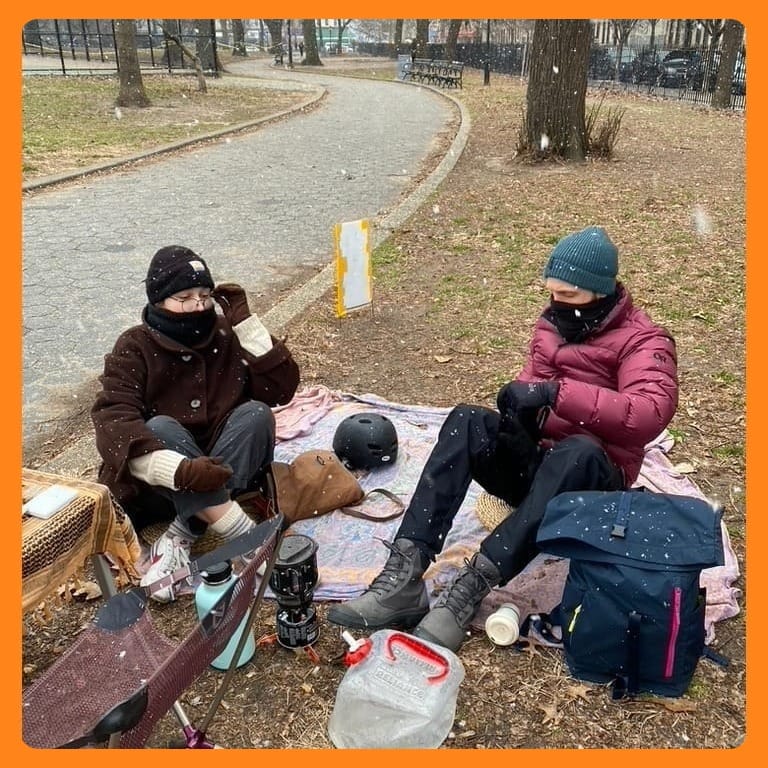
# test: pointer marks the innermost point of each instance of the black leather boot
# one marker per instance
(397, 597)
(447, 623)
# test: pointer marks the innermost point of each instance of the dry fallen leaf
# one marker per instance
(89, 590)
(579, 691)
(551, 713)
(443, 359)
(684, 468)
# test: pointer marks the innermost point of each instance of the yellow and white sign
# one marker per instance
(353, 266)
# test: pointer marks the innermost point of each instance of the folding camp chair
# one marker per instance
(122, 675)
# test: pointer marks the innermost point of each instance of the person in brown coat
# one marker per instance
(183, 421)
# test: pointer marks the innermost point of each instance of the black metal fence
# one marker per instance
(94, 41)
(687, 74)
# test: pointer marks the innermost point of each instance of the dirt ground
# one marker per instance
(456, 292)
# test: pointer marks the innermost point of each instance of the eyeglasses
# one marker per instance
(191, 303)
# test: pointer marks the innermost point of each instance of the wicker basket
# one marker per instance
(491, 510)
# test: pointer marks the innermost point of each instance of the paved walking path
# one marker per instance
(260, 207)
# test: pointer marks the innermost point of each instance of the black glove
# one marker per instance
(520, 395)
(202, 474)
(233, 302)
(516, 446)
(525, 418)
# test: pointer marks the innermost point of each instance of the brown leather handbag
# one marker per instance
(316, 482)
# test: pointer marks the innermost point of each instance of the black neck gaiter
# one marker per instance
(575, 322)
(187, 328)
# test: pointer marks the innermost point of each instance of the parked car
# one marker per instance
(678, 68)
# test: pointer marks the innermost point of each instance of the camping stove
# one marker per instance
(293, 580)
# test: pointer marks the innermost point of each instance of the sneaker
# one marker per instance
(168, 554)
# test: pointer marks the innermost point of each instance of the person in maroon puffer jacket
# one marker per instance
(183, 421)
(599, 383)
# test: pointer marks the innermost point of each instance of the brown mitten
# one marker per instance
(233, 302)
(202, 474)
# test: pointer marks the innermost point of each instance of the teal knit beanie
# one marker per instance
(587, 259)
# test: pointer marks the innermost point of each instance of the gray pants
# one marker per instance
(246, 442)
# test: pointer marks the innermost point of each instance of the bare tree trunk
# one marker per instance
(275, 27)
(453, 34)
(311, 55)
(238, 38)
(555, 123)
(652, 41)
(688, 36)
(398, 32)
(204, 45)
(131, 93)
(343, 24)
(422, 38)
(733, 35)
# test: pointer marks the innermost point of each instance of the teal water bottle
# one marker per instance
(215, 582)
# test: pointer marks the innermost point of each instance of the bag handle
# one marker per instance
(376, 518)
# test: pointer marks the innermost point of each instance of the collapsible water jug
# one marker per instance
(215, 582)
(399, 692)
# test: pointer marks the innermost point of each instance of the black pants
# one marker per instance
(246, 442)
(468, 449)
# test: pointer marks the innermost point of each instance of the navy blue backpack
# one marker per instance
(632, 611)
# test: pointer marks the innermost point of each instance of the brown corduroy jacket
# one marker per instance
(149, 374)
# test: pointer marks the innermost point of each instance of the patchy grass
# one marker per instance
(71, 122)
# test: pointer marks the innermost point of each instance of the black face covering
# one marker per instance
(576, 321)
(188, 328)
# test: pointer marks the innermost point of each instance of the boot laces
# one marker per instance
(468, 589)
(394, 570)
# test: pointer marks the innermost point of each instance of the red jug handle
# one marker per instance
(426, 653)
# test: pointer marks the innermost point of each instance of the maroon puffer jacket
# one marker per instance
(619, 385)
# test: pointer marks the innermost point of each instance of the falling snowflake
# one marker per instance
(702, 224)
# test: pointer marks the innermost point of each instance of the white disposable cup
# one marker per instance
(503, 626)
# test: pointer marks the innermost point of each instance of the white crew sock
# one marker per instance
(233, 523)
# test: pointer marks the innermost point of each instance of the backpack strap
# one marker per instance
(622, 516)
(628, 684)
(376, 518)
(718, 658)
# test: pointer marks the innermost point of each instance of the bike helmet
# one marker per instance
(365, 441)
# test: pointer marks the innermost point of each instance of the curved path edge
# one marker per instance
(281, 314)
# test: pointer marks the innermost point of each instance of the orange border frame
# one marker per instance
(12, 347)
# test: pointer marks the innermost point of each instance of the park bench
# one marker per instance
(434, 72)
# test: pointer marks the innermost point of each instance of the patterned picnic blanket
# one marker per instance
(350, 554)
